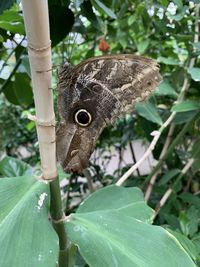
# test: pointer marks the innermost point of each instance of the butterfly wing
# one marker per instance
(106, 87)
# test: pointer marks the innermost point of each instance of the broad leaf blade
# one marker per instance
(10, 167)
(117, 233)
(126, 201)
(110, 239)
(27, 237)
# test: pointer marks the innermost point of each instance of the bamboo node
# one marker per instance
(42, 123)
(61, 220)
(41, 49)
(41, 178)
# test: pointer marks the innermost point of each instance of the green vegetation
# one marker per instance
(113, 226)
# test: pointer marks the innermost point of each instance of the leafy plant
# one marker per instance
(113, 226)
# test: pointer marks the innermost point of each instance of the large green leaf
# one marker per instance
(109, 237)
(27, 237)
(149, 112)
(11, 167)
(124, 200)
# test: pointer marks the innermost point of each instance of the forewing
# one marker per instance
(124, 80)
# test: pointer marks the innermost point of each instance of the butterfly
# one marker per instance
(95, 93)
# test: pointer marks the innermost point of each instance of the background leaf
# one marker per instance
(104, 8)
(126, 200)
(4, 4)
(149, 112)
(166, 89)
(11, 167)
(195, 73)
(187, 105)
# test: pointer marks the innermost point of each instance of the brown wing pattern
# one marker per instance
(105, 87)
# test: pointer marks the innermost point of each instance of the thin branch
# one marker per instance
(133, 157)
(151, 147)
(164, 150)
(170, 190)
(88, 176)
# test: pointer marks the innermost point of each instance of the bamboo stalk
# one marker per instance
(39, 50)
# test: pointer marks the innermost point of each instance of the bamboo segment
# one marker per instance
(39, 50)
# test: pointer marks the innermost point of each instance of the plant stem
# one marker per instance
(169, 191)
(171, 148)
(88, 176)
(58, 223)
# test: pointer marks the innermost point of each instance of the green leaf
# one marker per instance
(190, 198)
(11, 167)
(188, 105)
(5, 4)
(186, 243)
(27, 237)
(142, 46)
(87, 11)
(108, 237)
(11, 21)
(166, 89)
(195, 153)
(183, 117)
(168, 176)
(20, 91)
(25, 66)
(168, 61)
(149, 112)
(23, 89)
(1, 39)
(99, 5)
(125, 200)
(195, 73)
(131, 20)
(61, 20)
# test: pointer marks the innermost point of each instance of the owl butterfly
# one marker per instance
(94, 94)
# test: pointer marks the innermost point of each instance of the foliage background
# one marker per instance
(166, 31)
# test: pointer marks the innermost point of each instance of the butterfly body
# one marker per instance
(95, 93)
